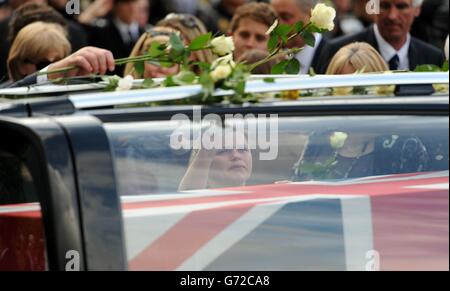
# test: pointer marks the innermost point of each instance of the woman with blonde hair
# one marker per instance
(357, 57)
(36, 46)
(152, 70)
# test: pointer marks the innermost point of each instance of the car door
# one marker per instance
(391, 217)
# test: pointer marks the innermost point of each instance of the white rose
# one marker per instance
(323, 16)
(222, 45)
(221, 72)
(338, 139)
(226, 60)
(125, 84)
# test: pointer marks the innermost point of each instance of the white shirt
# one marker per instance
(388, 52)
(306, 56)
(126, 29)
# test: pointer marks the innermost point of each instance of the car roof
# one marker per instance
(412, 89)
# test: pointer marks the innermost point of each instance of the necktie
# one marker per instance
(394, 63)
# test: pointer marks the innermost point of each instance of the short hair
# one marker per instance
(34, 42)
(259, 12)
(190, 27)
(31, 12)
(361, 56)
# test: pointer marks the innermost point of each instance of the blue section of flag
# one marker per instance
(300, 236)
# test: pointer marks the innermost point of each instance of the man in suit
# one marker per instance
(119, 33)
(390, 36)
(291, 12)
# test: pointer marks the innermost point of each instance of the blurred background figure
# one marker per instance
(291, 12)
(143, 14)
(190, 27)
(432, 24)
(249, 26)
(346, 21)
(33, 11)
(357, 57)
(5, 10)
(217, 17)
(118, 32)
(391, 37)
(35, 47)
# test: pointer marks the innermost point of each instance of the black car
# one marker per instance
(326, 183)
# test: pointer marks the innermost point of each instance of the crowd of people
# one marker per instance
(42, 34)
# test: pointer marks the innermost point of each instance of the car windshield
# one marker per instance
(158, 157)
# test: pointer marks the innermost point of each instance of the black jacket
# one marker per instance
(316, 60)
(108, 37)
(420, 53)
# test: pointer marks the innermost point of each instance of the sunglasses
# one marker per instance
(40, 64)
(186, 19)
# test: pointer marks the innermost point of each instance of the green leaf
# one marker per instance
(298, 27)
(269, 80)
(169, 82)
(156, 49)
(293, 67)
(280, 68)
(427, 68)
(445, 66)
(148, 83)
(176, 43)
(240, 88)
(139, 67)
(200, 42)
(309, 38)
(185, 78)
(283, 30)
(273, 43)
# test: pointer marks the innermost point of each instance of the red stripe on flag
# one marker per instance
(184, 239)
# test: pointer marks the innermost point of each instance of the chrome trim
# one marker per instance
(92, 100)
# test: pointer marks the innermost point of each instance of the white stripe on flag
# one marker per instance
(358, 231)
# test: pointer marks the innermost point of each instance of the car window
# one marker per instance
(22, 241)
(289, 193)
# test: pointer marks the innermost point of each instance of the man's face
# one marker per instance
(250, 35)
(396, 18)
(290, 14)
(127, 11)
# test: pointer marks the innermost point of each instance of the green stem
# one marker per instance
(278, 49)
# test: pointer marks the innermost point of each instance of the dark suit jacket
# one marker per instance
(420, 53)
(316, 60)
(109, 37)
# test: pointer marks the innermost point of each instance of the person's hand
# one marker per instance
(88, 60)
